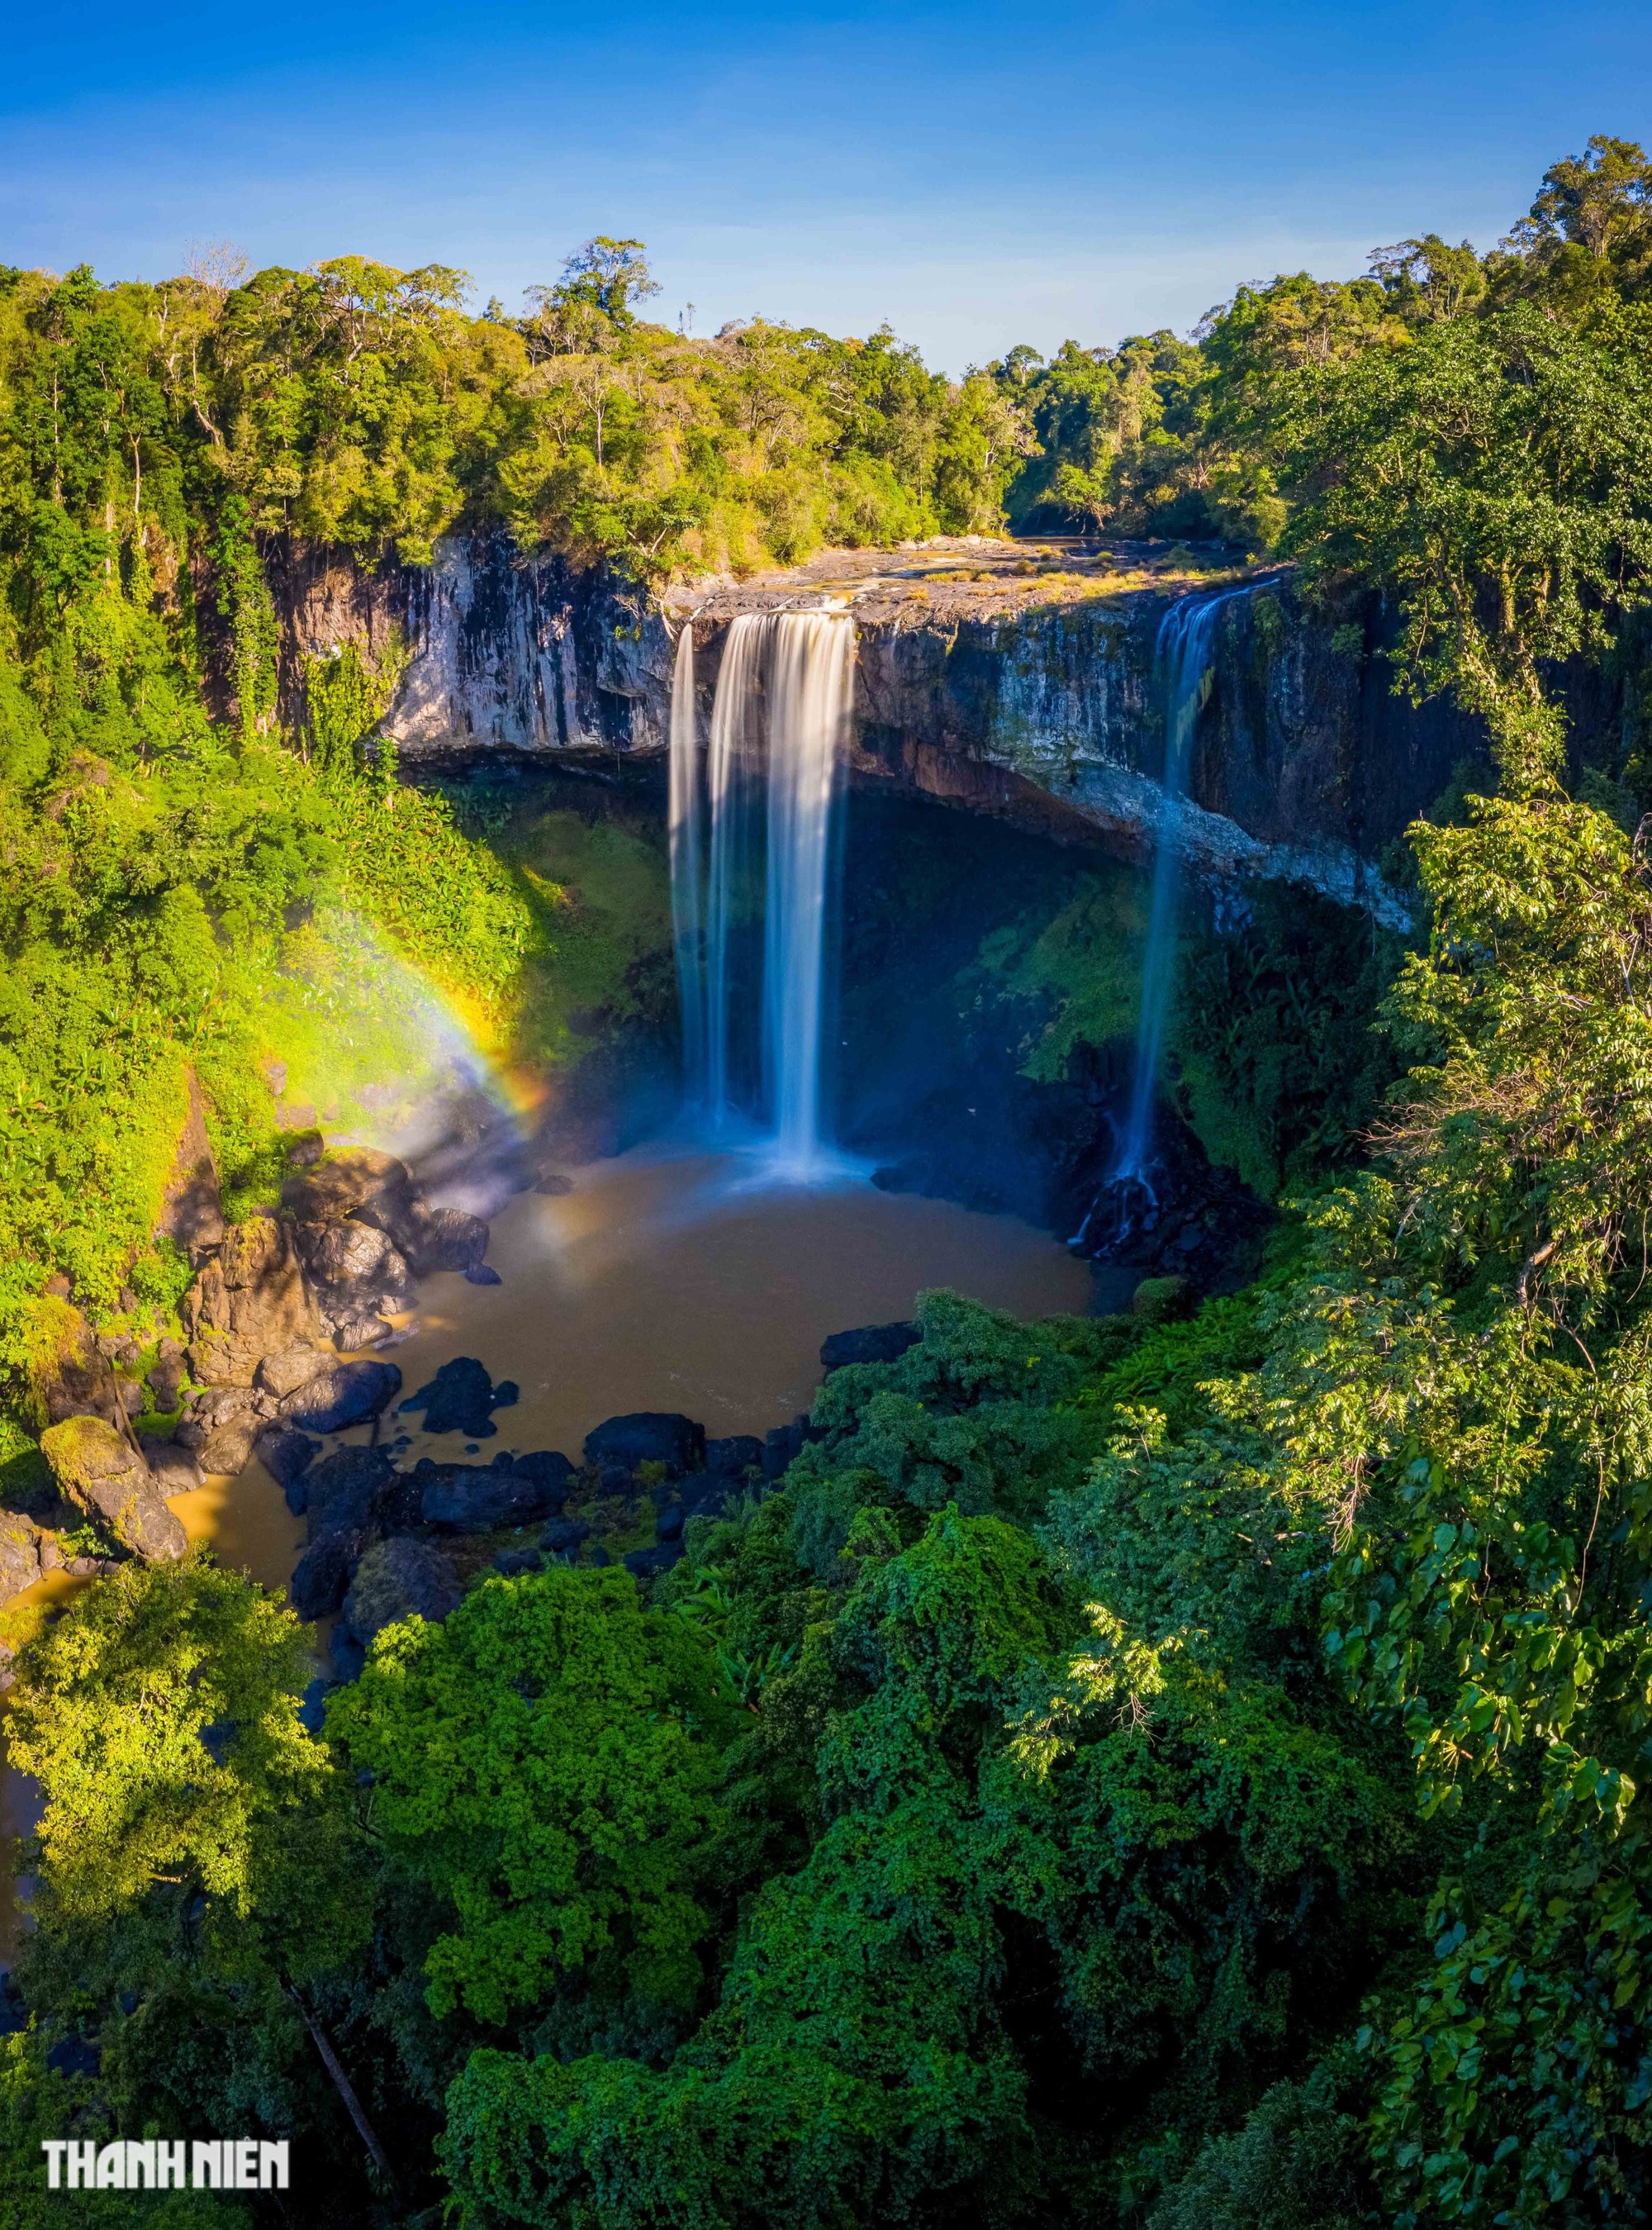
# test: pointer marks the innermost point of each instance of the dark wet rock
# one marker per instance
(344, 1492)
(564, 1535)
(345, 1655)
(166, 1377)
(341, 1395)
(554, 1471)
(599, 1559)
(321, 1576)
(643, 1563)
(480, 1274)
(250, 1302)
(782, 1445)
(174, 1469)
(513, 1563)
(286, 1454)
(305, 1149)
(449, 1239)
(732, 1457)
(399, 1579)
(669, 1525)
(648, 1436)
(313, 1711)
(99, 1472)
(868, 1344)
(553, 1184)
(459, 1398)
(476, 1498)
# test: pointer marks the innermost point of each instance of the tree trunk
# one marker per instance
(341, 2082)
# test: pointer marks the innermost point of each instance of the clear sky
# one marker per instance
(976, 174)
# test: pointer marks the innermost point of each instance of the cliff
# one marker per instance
(1013, 684)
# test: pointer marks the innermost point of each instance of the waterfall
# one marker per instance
(1182, 662)
(798, 667)
(687, 816)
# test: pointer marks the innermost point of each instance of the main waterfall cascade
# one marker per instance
(798, 666)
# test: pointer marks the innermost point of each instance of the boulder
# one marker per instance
(396, 1580)
(353, 1258)
(469, 1498)
(321, 1576)
(341, 1395)
(643, 1563)
(347, 1181)
(553, 1184)
(166, 1377)
(459, 1398)
(480, 1273)
(286, 1454)
(648, 1436)
(668, 1526)
(282, 1374)
(785, 1442)
(20, 1546)
(351, 1334)
(449, 1238)
(174, 1469)
(79, 1380)
(733, 1457)
(512, 1563)
(252, 1302)
(562, 1537)
(553, 1469)
(345, 1490)
(224, 1452)
(99, 1471)
(868, 1344)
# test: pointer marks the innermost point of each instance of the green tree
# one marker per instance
(546, 1761)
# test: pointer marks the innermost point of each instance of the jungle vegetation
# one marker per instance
(1147, 1772)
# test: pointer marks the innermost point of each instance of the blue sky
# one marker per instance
(976, 174)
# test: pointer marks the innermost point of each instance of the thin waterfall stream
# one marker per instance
(768, 791)
(1184, 666)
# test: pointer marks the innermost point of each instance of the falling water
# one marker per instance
(1182, 658)
(687, 816)
(811, 685)
(801, 665)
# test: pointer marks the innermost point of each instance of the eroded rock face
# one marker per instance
(22, 1547)
(251, 1302)
(101, 1473)
(192, 1212)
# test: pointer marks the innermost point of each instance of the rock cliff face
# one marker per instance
(1040, 700)
(506, 655)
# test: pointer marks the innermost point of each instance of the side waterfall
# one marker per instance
(797, 667)
(1182, 659)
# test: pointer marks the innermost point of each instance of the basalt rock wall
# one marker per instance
(1305, 764)
(506, 654)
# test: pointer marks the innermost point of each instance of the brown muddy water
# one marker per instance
(662, 1281)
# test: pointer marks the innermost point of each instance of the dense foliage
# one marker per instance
(1131, 1772)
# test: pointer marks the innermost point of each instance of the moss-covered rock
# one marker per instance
(100, 1473)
